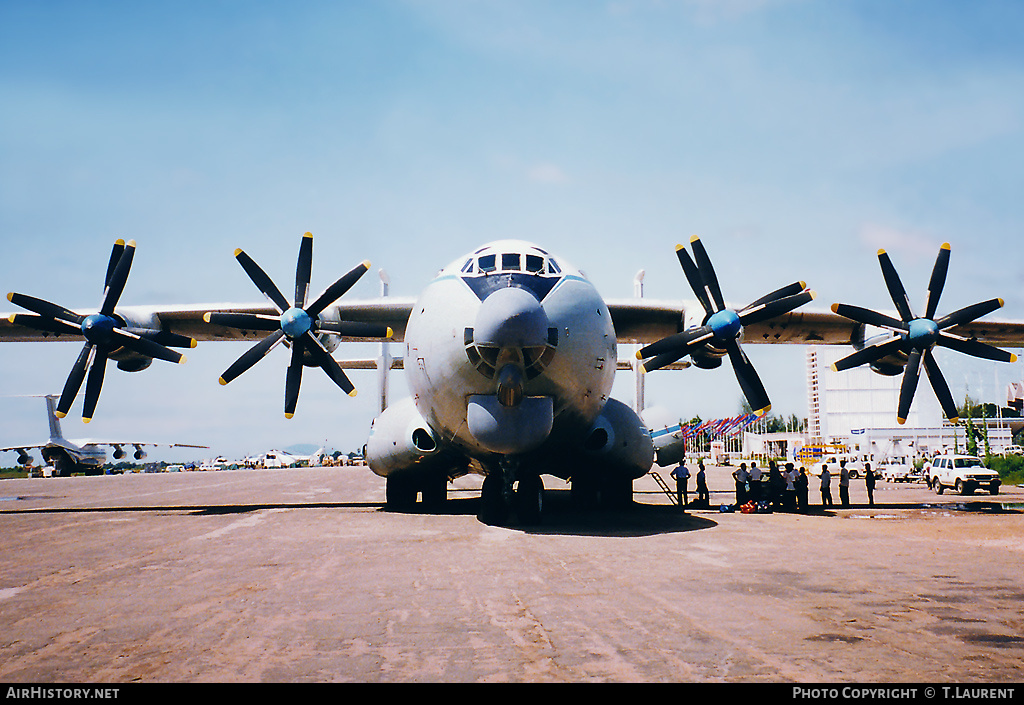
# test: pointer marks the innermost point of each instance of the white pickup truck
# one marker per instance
(963, 473)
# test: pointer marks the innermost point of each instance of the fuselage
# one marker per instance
(509, 348)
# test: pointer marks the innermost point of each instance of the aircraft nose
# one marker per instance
(511, 318)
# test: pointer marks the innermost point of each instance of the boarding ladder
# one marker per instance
(664, 487)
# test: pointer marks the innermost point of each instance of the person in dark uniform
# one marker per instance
(682, 476)
(869, 483)
(802, 483)
(703, 496)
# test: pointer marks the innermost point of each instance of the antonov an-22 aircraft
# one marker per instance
(510, 354)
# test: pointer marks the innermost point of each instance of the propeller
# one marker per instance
(297, 324)
(916, 336)
(104, 333)
(722, 328)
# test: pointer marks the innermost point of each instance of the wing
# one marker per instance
(643, 321)
(190, 320)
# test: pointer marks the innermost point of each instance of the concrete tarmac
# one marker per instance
(302, 576)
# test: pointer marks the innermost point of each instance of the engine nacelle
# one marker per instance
(118, 453)
(400, 440)
(621, 439)
(24, 458)
(139, 453)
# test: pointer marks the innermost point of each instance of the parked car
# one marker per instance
(855, 466)
(894, 471)
(1013, 450)
(963, 473)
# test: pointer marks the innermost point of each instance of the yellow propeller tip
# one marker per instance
(85, 420)
(813, 294)
(194, 343)
(391, 333)
(206, 317)
(353, 393)
(764, 411)
(945, 246)
(287, 415)
(955, 419)
(680, 247)
(1001, 303)
(130, 243)
(694, 239)
(222, 381)
(10, 296)
(238, 251)
(1013, 357)
(639, 355)
(833, 368)
(367, 263)
(119, 241)
(11, 317)
(900, 421)
(835, 308)
(59, 414)
(309, 235)
(881, 252)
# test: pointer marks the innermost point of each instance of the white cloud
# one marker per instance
(547, 174)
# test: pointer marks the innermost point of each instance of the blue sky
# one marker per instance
(796, 137)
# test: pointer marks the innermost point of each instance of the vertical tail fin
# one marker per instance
(51, 410)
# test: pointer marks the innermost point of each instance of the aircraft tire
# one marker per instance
(530, 500)
(493, 510)
(400, 494)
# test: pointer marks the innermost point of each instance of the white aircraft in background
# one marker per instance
(510, 354)
(80, 455)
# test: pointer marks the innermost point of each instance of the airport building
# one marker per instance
(857, 408)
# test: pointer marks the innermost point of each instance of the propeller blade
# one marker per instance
(293, 379)
(678, 344)
(262, 281)
(115, 257)
(694, 279)
(867, 316)
(868, 354)
(937, 282)
(895, 286)
(94, 384)
(337, 289)
(908, 386)
(794, 288)
(707, 272)
(969, 314)
(750, 383)
(147, 347)
(329, 365)
(47, 325)
(118, 278)
(940, 387)
(303, 270)
(252, 356)
(166, 337)
(357, 329)
(45, 308)
(244, 321)
(656, 363)
(975, 348)
(771, 309)
(74, 382)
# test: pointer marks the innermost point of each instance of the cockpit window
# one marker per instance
(553, 266)
(510, 262)
(534, 263)
(467, 268)
(488, 263)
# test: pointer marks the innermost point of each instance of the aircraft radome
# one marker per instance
(510, 355)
